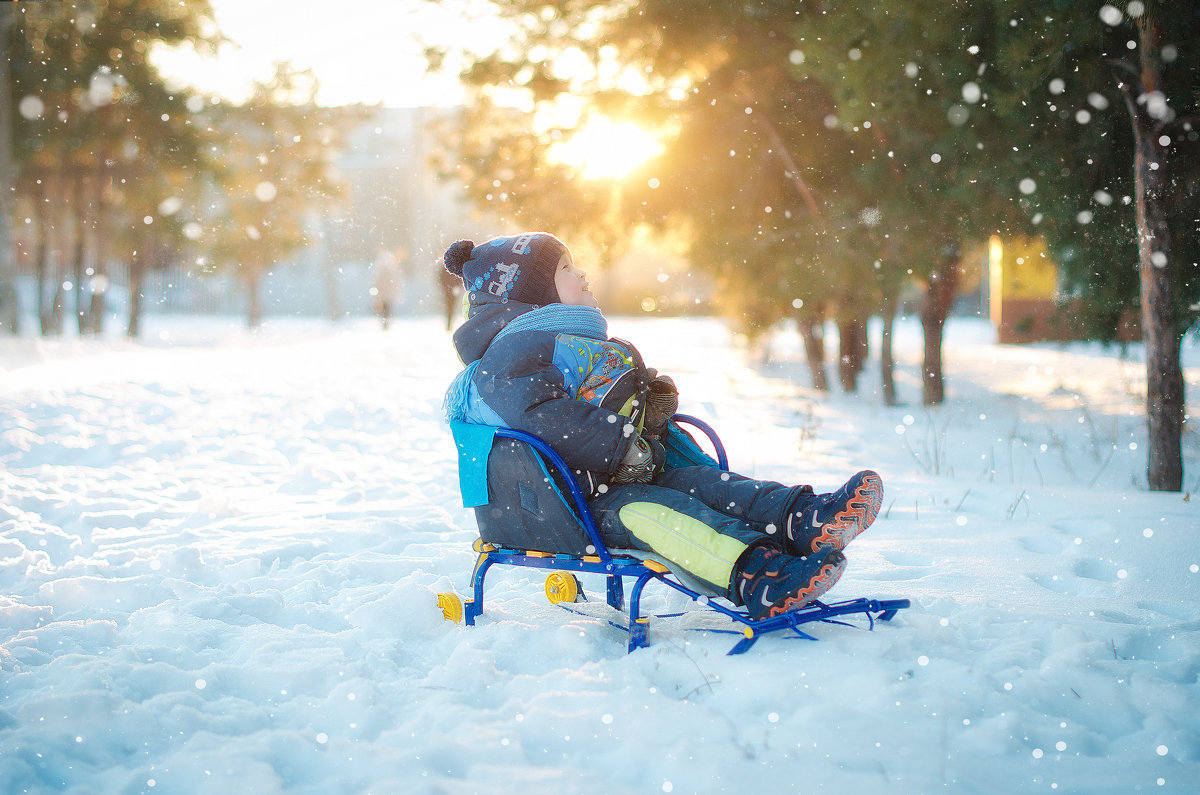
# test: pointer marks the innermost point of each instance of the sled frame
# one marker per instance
(646, 570)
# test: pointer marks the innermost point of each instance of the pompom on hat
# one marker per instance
(517, 268)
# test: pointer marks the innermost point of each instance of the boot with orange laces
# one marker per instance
(831, 521)
(769, 582)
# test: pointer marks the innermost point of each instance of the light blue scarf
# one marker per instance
(582, 321)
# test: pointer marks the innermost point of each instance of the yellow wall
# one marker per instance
(1019, 268)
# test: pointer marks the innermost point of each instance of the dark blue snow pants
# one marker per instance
(699, 518)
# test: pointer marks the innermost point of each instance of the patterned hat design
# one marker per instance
(518, 268)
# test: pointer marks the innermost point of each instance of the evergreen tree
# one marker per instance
(1112, 101)
(271, 162)
(885, 140)
(908, 84)
(755, 182)
(100, 141)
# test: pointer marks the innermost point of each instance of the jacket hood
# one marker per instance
(483, 323)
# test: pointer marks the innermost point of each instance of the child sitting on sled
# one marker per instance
(539, 360)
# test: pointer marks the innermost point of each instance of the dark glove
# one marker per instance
(640, 464)
(661, 405)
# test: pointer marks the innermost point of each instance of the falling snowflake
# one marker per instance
(1111, 15)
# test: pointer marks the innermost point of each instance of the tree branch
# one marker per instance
(1117, 63)
(790, 169)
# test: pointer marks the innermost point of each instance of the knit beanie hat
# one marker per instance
(518, 268)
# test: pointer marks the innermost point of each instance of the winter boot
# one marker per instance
(769, 582)
(819, 521)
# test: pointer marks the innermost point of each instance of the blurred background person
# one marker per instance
(385, 283)
(452, 291)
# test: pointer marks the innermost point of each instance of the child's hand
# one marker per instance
(661, 405)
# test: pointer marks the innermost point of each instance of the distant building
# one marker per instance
(395, 200)
(1025, 302)
(392, 200)
(1022, 287)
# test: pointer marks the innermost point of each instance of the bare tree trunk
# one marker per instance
(100, 241)
(254, 308)
(95, 313)
(812, 329)
(57, 310)
(1160, 326)
(9, 314)
(887, 366)
(939, 296)
(852, 342)
(41, 263)
(137, 276)
(451, 289)
(9, 310)
(78, 208)
(1164, 375)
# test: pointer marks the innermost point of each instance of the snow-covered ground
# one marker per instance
(219, 554)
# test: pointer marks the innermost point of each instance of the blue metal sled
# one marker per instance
(562, 587)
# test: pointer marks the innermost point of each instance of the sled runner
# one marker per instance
(525, 519)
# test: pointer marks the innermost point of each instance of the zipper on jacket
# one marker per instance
(642, 390)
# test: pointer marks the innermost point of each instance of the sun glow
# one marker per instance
(345, 50)
(607, 149)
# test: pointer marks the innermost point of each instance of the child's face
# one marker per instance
(572, 284)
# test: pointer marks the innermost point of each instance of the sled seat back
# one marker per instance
(524, 495)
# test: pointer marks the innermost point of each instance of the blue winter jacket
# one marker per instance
(556, 374)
